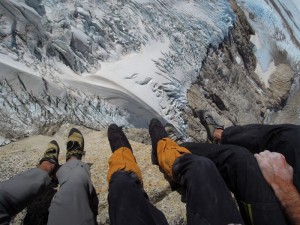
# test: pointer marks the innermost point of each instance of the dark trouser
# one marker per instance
(239, 169)
(129, 203)
(284, 139)
(208, 199)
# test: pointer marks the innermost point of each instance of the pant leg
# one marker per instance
(129, 203)
(17, 192)
(71, 205)
(240, 171)
(208, 199)
(284, 139)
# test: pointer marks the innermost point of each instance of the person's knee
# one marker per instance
(239, 155)
(202, 163)
(194, 165)
(79, 178)
(123, 184)
(239, 161)
(74, 172)
(123, 180)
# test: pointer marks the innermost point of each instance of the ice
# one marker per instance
(94, 47)
(137, 59)
(296, 4)
(277, 30)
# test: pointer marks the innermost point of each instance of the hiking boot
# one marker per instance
(51, 154)
(210, 124)
(75, 144)
(117, 138)
(157, 132)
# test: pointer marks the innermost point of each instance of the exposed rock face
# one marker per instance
(280, 84)
(227, 84)
(229, 87)
(287, 110)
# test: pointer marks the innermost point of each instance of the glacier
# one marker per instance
(139, 56)
(98, 62)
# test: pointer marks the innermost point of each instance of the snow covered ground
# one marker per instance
(139, 58)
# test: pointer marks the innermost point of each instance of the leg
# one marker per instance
(240, 170)
(208, 198)
(282, 138)
(275, 138)
(17, 192)
(128, 202)
(71, 205)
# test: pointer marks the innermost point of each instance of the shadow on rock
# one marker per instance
(37, 210)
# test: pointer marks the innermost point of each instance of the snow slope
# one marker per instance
(141, 56)
(137, 58)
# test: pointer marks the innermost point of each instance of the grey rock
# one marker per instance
(36, 4)
(231, 89)
(280, 83)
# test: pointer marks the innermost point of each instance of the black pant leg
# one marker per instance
(129, 203)
(240, 171)
(284, 139)
(208, 199)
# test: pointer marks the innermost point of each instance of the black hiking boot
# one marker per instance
(210, 124)
(117, 138)
(157, 132)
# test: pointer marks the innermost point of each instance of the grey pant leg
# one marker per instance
(70, 204)
(17, 192)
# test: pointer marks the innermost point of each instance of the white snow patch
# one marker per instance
(142, 66)
(297, 4)
(265, 74)
(238, 59)
(255, 40)
(9, 66)
(4, 141)
(265, 65)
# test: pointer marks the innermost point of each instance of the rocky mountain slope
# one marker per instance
(229, 87)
